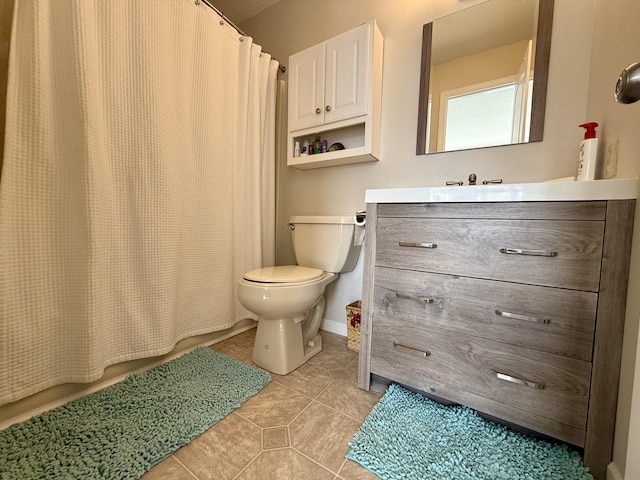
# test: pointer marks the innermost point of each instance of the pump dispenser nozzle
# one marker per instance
(590, 130)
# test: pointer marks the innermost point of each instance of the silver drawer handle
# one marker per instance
(406, 296)
(517, 316)
(509, 378)
(537, 253)
(418, 244)
(415, 351)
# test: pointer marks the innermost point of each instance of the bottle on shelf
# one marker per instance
(317, 145)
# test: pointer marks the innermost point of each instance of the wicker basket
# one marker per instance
(353, 325)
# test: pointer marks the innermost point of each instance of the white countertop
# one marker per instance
(616, 189)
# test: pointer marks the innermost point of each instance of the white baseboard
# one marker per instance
(339, 328)
(613, 473)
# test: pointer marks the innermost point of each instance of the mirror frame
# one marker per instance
(540, 75)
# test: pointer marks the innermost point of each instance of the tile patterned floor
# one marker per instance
(297, 427)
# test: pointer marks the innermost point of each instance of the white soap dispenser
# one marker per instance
(588, 153)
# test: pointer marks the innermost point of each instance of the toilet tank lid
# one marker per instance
(340, 219)
(284, 274)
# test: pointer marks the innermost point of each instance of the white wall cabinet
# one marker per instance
(335, 91)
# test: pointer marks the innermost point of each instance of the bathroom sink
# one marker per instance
(616, 189)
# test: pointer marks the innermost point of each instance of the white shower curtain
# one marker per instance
(137, 185)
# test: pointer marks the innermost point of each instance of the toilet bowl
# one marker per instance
(289, 300)
(281, 344)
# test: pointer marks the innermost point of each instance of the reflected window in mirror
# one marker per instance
(484, 76)
(476, 117)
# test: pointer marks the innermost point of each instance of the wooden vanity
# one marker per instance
(509, 299)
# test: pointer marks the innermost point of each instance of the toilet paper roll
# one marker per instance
(359, 219)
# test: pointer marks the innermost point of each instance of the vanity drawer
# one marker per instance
(554, 253)
(548, 319)
(539, 383)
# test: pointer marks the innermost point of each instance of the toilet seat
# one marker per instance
(284, 275)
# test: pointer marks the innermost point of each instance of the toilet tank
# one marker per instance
(324, 242)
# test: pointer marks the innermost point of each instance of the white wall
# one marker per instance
(581, 78)
(615, 46)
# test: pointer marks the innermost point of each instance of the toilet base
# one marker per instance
(278, 346)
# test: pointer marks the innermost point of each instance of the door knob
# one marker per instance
(628, 85)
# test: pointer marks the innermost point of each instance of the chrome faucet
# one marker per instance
(496, 180)
(473, 178)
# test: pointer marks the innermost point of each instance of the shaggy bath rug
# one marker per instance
(124, 430)
(408, 436)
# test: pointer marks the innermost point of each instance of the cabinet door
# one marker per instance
(306, 88)
(346, 75)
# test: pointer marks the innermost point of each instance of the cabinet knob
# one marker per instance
(328, 108)
(318, 111)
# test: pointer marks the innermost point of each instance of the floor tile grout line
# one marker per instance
(296, 417)
(304, 394)
(277, 449)
(185, 467)
(344, 462)
(341, 412)
(316, 462)
(255, 457)
(249, 420)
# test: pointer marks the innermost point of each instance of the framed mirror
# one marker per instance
(483, 76)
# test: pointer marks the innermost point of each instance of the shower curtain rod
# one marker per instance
(281, 67)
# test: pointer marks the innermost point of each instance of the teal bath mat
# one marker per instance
(407, 436)
(124, 430)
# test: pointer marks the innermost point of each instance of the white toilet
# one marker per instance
(289, 300)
